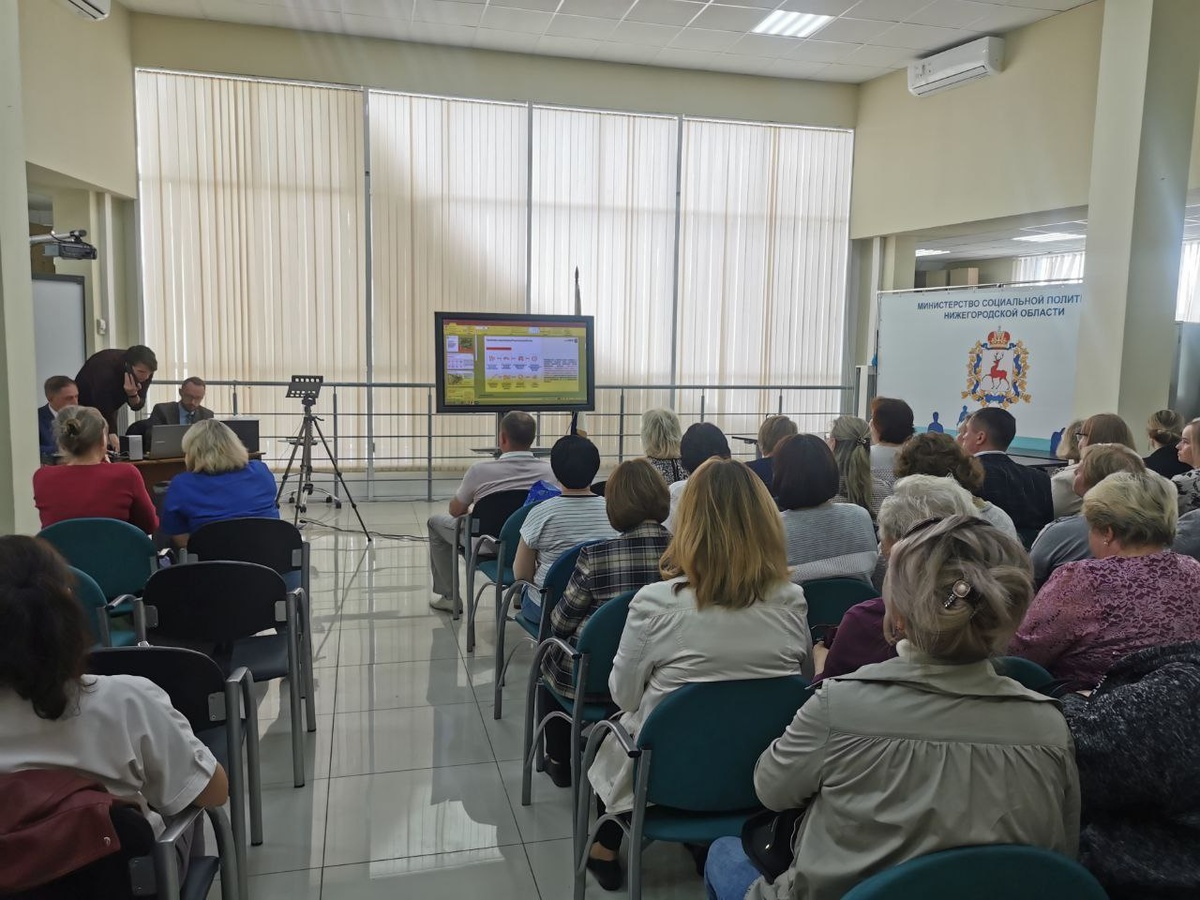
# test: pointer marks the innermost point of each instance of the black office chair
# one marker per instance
(221, 711)
(141, 428)
(485, 519)
(273, 543)
(146, 867)
(228, 604)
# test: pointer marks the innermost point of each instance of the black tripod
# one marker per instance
(307, 388)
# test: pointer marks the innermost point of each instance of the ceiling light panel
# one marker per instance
(1050, 237)
(792, 24)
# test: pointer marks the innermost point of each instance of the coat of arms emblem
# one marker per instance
(997, 371)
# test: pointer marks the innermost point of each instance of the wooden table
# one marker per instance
(164, 469)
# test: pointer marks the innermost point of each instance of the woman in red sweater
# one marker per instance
(87, 485)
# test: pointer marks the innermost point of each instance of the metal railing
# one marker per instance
(391, 444)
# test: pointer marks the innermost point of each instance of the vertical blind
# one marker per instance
(709, 252)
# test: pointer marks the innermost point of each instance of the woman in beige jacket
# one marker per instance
(924, 752)
(726, 612)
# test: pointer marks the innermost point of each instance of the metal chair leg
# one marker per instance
(253, 761)
(294, 685)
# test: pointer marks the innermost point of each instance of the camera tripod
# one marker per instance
(307, 388)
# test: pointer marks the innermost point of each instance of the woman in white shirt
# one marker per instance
(726, 612)
(119, 729)
(1102, 428)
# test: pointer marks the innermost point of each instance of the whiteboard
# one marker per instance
(60, 344)
(951, 352)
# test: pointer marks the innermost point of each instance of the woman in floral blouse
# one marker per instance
(1135, 593)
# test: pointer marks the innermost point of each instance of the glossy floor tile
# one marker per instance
(412, 788)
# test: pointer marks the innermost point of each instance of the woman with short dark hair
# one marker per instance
(824, 539)
(891, 425)
(118, 729)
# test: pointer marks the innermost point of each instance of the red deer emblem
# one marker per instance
(998, 375)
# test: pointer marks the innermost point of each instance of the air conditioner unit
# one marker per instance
(91, 9)
(956, 66)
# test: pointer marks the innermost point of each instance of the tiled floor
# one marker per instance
(413, 789)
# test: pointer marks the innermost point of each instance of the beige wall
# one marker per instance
(1017, 142)
(77, 95)
(189, 44)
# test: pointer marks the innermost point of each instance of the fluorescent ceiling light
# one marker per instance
(792, 24)
(921, 252)
(1049, 237)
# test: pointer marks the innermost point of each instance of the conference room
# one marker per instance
(415, 277)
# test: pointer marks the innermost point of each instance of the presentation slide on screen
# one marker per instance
(949, 353)
(502, 364)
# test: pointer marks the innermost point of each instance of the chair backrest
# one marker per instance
(119, 556)
(215, 601)
(691, 771)
(1028, 673)
(93, 601)
(273, 543)
(189, 678)
(510, 536)
(553, 587)
(999, 872)
(829, 598)
(599, 639)
(490, 513)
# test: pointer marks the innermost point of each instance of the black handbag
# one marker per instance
(767, 841)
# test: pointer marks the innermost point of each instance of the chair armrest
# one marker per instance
(547, 644)
(116, 606)
(296, 594)
(596, 733)
(242, 678)
(144, 617)
(506, 602)
(178, 826)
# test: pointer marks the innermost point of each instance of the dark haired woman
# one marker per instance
(118, 729)
(824, 539)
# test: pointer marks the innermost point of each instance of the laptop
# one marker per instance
(247, 432)
(166, 441)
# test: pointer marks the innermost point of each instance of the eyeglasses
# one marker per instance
(1080, 435)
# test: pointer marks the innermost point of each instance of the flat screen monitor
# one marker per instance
(498, 362)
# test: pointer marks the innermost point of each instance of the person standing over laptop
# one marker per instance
(515, 470)
(111, 379)
(187, 410)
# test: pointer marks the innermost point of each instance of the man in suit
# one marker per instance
(60, 392)
(1021, 491)
(186, 410)
(111, 379)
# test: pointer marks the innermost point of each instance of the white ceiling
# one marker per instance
(1000, 242)
(868, 38)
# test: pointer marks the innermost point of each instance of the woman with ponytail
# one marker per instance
(850, 440)
(87, 485)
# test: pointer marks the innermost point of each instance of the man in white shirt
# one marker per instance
(516, 469)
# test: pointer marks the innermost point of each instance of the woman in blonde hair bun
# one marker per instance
(924, 752)
(86, 485)
(1164, 430)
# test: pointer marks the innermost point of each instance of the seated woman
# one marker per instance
(661, 433)
(773, 430)
(850, 440)
(1188, 484)
(1068, 447)
(924, 752)
(939, 455)
(1066, 540)
(221, 482)
(1136, 593)
(727, 611)
(1164, 430)
(118, 729)
(700, 443)
(637, 503)
(859, 639)
(87, 485)
(891, 425)
(1104, 428)
(1139, 802)
(824, 539)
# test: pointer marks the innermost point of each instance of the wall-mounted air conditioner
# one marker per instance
(91, 9)
(956, 66)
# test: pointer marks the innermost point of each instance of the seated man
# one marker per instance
(556, 525)
(187, 410)
(1021, 491)
(60, 392)
(516, 470)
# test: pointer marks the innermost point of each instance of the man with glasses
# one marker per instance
(187, 410)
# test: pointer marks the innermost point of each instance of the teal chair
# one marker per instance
(96, 608)
(1030, 674)
(829, 598)
(998, 872)
(688, 786)
(533, 618)
(505, 507)
(120, 557)
(593, 653)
